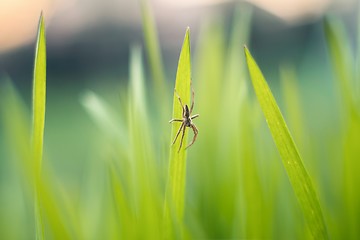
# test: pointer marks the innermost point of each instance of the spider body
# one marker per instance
(186, 121)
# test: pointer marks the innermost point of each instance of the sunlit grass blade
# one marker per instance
(175, 193)
(45, 204)
(298, 176)
(39, 101)
(39, 96)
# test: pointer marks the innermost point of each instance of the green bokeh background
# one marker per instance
(236, 186)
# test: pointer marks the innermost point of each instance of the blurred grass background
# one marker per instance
(107, 137)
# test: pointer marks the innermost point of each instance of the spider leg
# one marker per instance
(175, 120)
(178, 132)
(177, 95)
(196, 131)
(195, 116)
(182, 137)
(192, 99)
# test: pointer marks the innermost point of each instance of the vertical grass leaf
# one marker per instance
(293, 108)
(142, 157)
(153, 52)
(39, 96)
(177, 163)
(46, 205)
(298, 176)
(342, 62)
(39, 100)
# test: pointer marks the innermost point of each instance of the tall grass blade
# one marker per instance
(123, 207)
(175, 193)
(142, 157)
(342, 62)
(16, 122)
(293, 108)
(45, 204)
(17, 125)
(39, 101)
(209, 170)
(39, 96)
(298, 176)
(153, 50)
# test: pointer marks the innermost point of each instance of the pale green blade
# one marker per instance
(342, 62)
(103, 116)
(177, 163)
(154, 52)
(342, 59)
(292, 100)
(45, 203)
(39, 100)
(298, 176)
(39, 96)
(142, 157)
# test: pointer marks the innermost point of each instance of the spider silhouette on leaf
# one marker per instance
(186, 121)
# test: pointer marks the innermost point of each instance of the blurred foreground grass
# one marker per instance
(230, 184)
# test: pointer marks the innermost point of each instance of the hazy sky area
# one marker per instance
(65, 18)
(90, 39)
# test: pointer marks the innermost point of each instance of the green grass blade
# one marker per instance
(102, 114)
(39, 96)
(298, 176)
(39, 101)
(344, 69)
(153, 49)
(16, 123)
(123, 207)
(45, 203)
(342, 62)
(177, 163)
(293, 108)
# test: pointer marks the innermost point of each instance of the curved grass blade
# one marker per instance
(298, 176)
(39, 101)
(39, 96)
(175, 192)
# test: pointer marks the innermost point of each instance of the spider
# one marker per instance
(186, 121)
